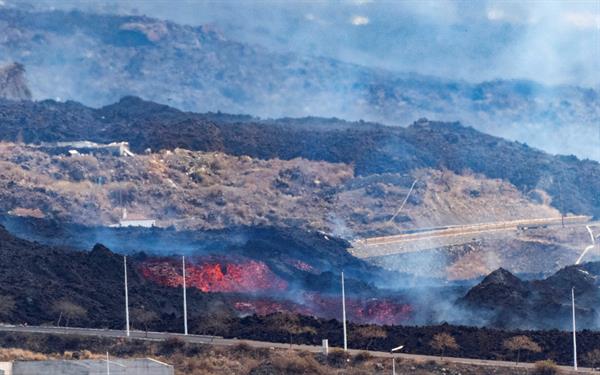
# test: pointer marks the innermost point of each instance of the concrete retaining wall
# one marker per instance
(144, 366)
(5, 368)
(49, 368)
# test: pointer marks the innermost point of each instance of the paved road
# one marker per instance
(220, 341)
(450, 235)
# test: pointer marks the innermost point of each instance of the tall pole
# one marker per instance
(344, 313)
(562, 206)
(574, 330)
(126, 297)
(107, 364)
(393, 365)
(185, 322)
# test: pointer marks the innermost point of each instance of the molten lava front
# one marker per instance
(215, 275)
(377, 311)
(242, 275)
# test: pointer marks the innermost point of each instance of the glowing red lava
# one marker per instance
(302, 266)
(378, 311)
(266, 307)
(212, 275)
(242, 275)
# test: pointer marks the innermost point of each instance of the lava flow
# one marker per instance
(377, 311)
(215, 275)
(302, 266)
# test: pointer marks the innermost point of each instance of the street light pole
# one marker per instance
(185, 321)
(344, 313)
(574, 330)
(126, 297)
(397, 349)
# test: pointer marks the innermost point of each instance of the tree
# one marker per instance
(592, 358)
(69, 310)
(443, 341)
(144, 317)
(291, 324)
(519, 343)
(7, 306)
(370, 333)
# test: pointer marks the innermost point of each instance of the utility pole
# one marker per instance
(574, 330)
(107, 364)
(126, 297)
(185, 322)
(344, 314)
(562, 205)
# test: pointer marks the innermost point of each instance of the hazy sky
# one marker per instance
(548, 41)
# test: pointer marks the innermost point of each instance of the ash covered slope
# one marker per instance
(238, 271)
(38, 276)
(285, 250)
(370, 147)
(508, 302)
(12, 82)
(96, 59)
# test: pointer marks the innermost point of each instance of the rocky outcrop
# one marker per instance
(507, 289)
(511, 302)
(12, 82)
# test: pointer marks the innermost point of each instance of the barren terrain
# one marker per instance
(190, 189)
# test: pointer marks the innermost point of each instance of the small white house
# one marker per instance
(135, 220)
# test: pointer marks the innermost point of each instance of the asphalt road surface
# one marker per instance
(219, 341)
(451, 235)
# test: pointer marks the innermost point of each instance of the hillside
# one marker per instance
(92, 280)
(233, 273)
(348, 179)
(200, 69)
(205, 190)
(370, 148)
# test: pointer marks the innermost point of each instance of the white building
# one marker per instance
(146, 366)
(135, 220)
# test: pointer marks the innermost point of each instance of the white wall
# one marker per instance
(5, 368)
